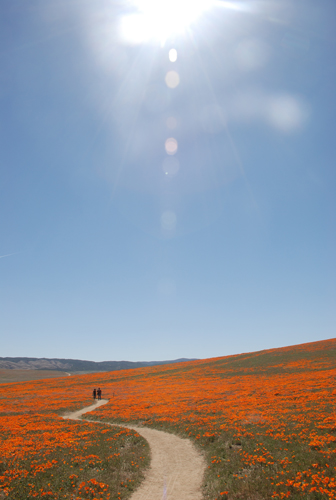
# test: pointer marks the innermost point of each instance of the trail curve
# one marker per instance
(176, 470)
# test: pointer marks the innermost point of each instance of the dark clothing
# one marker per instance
(99, 392)
(94, 393)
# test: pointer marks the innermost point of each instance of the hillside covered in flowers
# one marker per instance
(265, 421)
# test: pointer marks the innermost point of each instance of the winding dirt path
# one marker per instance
(176, 470)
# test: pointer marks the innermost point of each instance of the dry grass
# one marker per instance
(8, 376)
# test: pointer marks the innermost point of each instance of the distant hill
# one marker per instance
(77, 365)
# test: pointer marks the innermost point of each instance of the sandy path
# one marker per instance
(176, 469)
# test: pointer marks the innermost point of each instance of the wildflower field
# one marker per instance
(265, 422)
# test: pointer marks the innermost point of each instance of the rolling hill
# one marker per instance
(76, 365)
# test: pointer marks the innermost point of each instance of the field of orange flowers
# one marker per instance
(266, 422)
(44, 456)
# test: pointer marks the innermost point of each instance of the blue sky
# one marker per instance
(114, 246)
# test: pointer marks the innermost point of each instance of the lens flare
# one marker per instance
(287, 113)
(168, 220)
(172, 55)
(161, 19)
(171, 146)
(172, 79)
(171, 122)
(170, 166)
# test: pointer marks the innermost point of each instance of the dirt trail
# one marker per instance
(176, 469)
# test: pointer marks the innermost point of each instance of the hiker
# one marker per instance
(94, 393)
(99, 393)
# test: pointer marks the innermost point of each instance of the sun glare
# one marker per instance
(161, 19)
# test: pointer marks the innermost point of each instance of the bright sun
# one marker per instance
(161, 19)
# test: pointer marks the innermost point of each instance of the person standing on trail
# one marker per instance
(94, 394)
(99, 392)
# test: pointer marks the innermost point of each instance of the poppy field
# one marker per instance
(265, 422)
(45, 456)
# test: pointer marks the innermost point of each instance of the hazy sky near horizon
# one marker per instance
(159, 203)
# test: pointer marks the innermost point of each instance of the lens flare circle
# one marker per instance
(172, 79)
(172, 55)
(171, 146)
(171, 122)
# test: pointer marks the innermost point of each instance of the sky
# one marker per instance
(167, 177)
